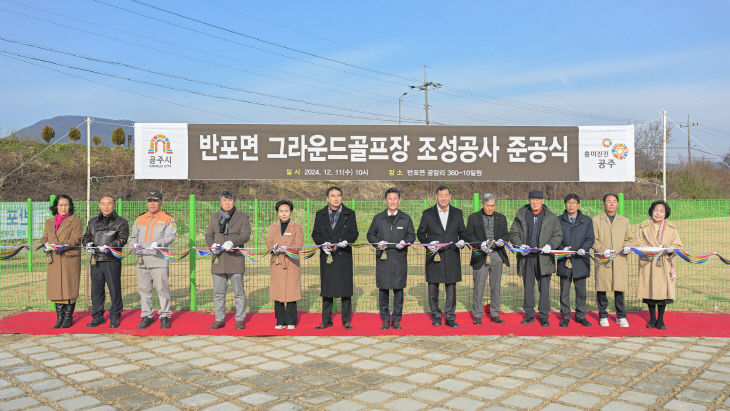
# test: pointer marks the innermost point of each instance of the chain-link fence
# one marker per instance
(703, 226)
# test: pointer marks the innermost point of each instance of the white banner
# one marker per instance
(160, 151)
(606, 153)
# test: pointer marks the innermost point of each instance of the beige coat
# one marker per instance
(654, 281)
(613, 276)
(285, 284)
(65, 270)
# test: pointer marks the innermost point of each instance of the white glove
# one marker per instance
(382, 244)
(227, 245)
(460, 244)
(626, 250)
(607, 252)
(275, 248)
(669, 250)
(136, 248)
(342, 244)
(524, 246)
(154, 245)
(581, 251)
(400, 245)
(103, 248)
(547, 249)
(433, 248)
(47, 247)
(215, 248)
(326, 247)
(484, 247)
(500, 243)
(90, 248)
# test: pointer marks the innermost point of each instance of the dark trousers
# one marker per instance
(618, 297)
(433, 301)
(285, 313)
(109, 273)
(384, 299)
(327, 309)
(532, 274)
(580, 297)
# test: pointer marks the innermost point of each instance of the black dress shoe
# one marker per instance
(164, 322)
(451, 323)
(216, 325)
(322, 326)
(396, 325)
(240, 325)
(651, 324)
(527, 320)
(564, 322)
(544, 322)
(660, 325)
(114, 322)
(436, 322)
(496, 319)
(347, 325)
(477, 321)
(146, 322)
(386, 325)
(584, 322)
(95, 322)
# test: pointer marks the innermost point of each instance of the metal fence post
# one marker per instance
(309, 228)
(29, 233)
(50, 204)
(192, 237)
(255, 223)
(476, 202)
(621, 203)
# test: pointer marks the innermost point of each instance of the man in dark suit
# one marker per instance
(391, 230)
(335, 227)
(443, 223)
(484, 226)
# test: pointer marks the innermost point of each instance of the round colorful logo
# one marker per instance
(607, 142)
(620, 151)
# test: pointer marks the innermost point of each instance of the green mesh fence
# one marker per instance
(703, 226)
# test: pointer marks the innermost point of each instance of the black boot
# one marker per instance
(68, 315)
(660, 320)
(59, 315)
(652, 316)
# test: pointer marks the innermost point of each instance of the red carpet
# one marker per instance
(368, 324)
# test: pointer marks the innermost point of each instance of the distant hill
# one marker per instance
(62, 124)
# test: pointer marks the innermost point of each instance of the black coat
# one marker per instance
(392, 273)
(335, 278)
(576, 236)
(112, 231)
(475, 235)
(448, 270)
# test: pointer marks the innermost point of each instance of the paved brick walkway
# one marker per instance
(398, 373)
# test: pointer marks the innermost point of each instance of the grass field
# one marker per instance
(704, 287)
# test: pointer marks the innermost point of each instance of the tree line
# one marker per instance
(119, 137)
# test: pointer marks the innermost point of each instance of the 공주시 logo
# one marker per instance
(161, 143)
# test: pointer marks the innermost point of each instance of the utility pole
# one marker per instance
(664, 167)
(400, 102)
(88, 168)
(424, 87)
(689, 143)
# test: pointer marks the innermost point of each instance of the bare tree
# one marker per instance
(648, 141)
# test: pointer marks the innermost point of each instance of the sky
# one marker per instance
(335, 62)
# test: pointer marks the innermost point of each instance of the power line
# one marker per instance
(187, 57)
(150, 83)
(159, 73)
(126, 90)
